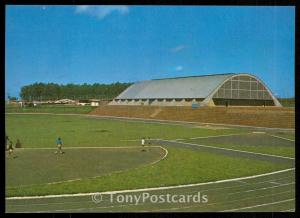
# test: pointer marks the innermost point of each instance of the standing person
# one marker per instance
(59, 145)
(6, 140)
(18, 144)
(143, 143)
(148, 141)
(10, 148)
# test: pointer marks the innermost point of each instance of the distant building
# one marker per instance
(210, 90)
(95, 102)
(64, 101)
(36, 103)
(83, 102)
(12, 101)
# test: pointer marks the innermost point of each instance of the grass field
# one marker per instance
(109, 169)
(63, 109)
(178, 168)
(42, 131)
(261, 143)
(73, 164)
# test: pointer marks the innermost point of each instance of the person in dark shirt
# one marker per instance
(59, 145)
(18, 144)
(6, 141)
(149, 141)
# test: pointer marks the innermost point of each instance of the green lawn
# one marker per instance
(42, 130)
(182, 166)
(221, 196)
(261, 143)
(38, 166)
(62, 109)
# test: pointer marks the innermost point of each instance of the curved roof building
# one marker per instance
(209, 90)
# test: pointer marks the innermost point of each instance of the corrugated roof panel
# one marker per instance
(183, 87)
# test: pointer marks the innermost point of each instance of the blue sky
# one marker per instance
(106, 44)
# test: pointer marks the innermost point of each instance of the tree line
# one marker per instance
(53, 91)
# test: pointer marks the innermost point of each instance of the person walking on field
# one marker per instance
(143, 144)
(59, 145)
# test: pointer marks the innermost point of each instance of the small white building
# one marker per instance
(95, 102)
(65, 101)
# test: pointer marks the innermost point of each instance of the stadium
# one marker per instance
(209, 90)
(240, 157)
(118, 116)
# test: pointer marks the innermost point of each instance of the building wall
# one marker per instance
(243, 87)
(242, 102)
(157, 102)
(94, 103)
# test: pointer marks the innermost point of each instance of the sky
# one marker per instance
(107, 44)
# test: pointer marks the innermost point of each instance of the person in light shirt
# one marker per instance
(143, 143)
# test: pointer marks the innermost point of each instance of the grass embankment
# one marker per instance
(275, 117)
(63, 109)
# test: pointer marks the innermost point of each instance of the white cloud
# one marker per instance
(179, 68)
(101, 11)
(178, 48)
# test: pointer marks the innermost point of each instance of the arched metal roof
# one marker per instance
(203, 87)
(182, 87)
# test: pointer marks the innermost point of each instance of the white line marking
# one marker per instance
(215, 136)
(281, 137)
(78, 209)
(150, 189)
(222, 203)
(189, 192)
(252, 190)
(244, 182)
(124, 205)
(133, 140)
(259, 205)
(84, 147)
(237, 186)
(289, 210)
(166, 154)
(276, 183)
(229, 149)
